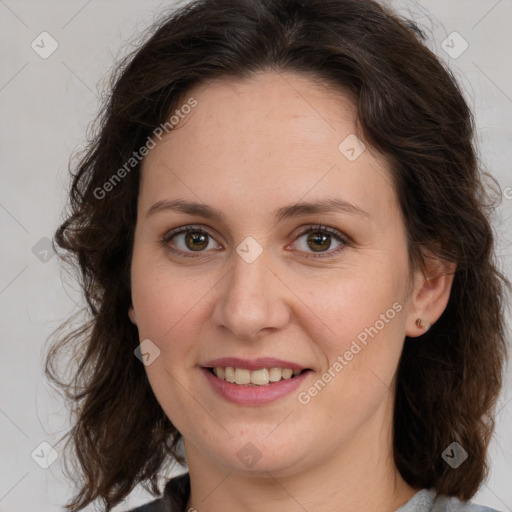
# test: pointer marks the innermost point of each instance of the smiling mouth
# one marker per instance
(261, 377)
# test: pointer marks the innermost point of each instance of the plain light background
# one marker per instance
(46, 106)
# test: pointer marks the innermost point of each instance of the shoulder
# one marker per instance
(174, 498)
(452, 504)
(177, 491)
(428, 500)
(147, 507)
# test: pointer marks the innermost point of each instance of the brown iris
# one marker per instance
(318, 238)
(196, 238)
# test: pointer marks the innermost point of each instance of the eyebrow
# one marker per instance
(328, 205)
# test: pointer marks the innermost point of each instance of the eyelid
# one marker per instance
(185, 229)
(345, 240)
(191, 228)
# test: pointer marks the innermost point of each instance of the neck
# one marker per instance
(361, 476)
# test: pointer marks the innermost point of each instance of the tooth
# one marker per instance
(229, 374)
(287, 373)
(259, 377)
(274, 374)
(242, 376)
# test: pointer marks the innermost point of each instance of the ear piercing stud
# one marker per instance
(419, 324)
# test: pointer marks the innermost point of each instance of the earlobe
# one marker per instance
(131, 314)
(421, 324)
(430, 296)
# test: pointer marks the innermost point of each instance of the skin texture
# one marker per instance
(250, 147)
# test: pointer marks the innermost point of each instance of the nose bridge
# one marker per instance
(250, 299)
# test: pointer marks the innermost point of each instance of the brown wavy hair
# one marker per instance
(411, 109)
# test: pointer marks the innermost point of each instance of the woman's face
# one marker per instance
(265, 290)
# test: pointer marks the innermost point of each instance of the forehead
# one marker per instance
(275, 136)
(270, 115)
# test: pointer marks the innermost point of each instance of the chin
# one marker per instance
(255, 455)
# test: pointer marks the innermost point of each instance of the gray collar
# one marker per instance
(422, 501)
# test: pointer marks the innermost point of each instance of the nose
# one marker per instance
(252, 299)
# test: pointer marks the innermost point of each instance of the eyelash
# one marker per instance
(344, 240)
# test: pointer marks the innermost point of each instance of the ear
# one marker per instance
(432, 287)
(131, 314)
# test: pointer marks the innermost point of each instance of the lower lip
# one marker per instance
(253, 395)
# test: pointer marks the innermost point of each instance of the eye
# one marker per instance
(319, 241)
(194, 239)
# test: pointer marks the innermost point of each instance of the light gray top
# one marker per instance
(427, 500)
(177, 492)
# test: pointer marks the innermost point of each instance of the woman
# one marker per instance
(285, 247)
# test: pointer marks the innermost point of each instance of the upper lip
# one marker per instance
(252, 364)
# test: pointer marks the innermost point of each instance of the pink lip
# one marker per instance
(253, 395)
(255, 364)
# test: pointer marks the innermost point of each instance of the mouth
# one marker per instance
(257, 377)
(254, 382)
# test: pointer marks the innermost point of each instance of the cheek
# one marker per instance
(172, 308)
(163, 309)
(358, 300)
(167, 308)
(362, 330)
(359, 364)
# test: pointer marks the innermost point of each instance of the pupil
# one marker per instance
(196, 237)
(319, 238)
(199, 242)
